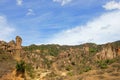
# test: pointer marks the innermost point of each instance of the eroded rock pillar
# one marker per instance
(18, 48)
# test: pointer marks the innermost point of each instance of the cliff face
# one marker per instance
(108, 52)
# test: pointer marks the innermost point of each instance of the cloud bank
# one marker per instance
(100, 30)
(5, 29)
(112, 5)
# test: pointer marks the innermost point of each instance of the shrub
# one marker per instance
(73, 63)
(87, 68)
(70, 73)
(29, 70)
(20, 66)
(110, 61)
(93, 51)
(84, 69)
(104, 63)
(68, 68)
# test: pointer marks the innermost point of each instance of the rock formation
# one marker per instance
(86, 49)
(108, 52)
(18, 48)
(12, 47)
(3, 45)
(18, 42)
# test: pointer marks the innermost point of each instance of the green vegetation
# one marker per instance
(29, 70)
(68, 68)
(104, 63)
(44, 49)
(93, 51)
(84, 69)
(70, 73)
(20, 66)
(47, 62)
(87, 68)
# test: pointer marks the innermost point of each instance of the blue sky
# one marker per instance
(65, 22)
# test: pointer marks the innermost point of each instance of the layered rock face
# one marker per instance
(12, 47)
(108, 52)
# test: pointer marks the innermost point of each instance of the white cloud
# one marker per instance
(105, 28)
(5, 28)
(30, 12)
(112, 5)
(62, 2)
(19, 2)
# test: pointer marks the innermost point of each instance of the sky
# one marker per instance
(63, 22)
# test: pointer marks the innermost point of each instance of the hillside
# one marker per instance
(87, 61)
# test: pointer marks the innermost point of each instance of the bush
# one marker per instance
(104, 63)
(87, 68)
(47, 62)
(20, 66)
(110, 61)
(93, 51)
(29, 70)
(70, 73)
(68, 68)
(84, 69)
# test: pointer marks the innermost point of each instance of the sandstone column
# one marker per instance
(18, 48)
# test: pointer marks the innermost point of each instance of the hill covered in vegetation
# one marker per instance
(56, 62)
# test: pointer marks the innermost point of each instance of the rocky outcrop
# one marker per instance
(12, 47)
(118, 51)
(67, 53)
(86, 49)
(108, 52)
(18, 48)
(18, 42)
(3, 45)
